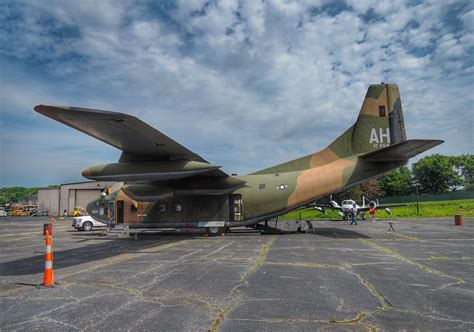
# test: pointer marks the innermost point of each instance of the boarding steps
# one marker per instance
(118, 230)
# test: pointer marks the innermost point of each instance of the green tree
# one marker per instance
(437, 174)
(370, 189)
(15, 194)
(465, 167)
(397, 182)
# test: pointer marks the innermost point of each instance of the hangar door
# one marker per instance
(84, 196)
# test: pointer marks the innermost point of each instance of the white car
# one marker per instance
(3, 213)
(86, 223)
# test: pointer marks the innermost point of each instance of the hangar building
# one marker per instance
(69, 195)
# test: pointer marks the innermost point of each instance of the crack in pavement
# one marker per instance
(384, 304)
(412, 261)
(243, 282)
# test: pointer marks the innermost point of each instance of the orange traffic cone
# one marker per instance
(48, 279)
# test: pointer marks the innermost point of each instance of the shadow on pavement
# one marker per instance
(339, 233)
(88, 253)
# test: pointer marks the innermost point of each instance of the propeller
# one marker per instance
(320, 209)
(333, 203)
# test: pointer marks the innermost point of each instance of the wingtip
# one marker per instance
(38, 107)
(44, 109)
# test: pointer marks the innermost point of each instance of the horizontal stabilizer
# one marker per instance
(401, 151)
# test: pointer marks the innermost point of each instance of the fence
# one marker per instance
(458, 195)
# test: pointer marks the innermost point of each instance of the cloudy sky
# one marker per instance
(245, 84)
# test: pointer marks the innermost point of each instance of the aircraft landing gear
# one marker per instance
(265, 229)
(215, 231)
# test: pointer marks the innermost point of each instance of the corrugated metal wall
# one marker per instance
(48, 199)
(69, 196)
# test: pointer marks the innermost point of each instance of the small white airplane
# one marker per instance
(345, 209)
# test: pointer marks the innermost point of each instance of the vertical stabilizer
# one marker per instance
(380, 122)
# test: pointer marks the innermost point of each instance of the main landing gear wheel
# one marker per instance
(215, 231)
(87, 226)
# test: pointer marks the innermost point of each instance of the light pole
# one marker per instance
(415, 182)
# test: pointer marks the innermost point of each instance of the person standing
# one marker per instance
(354, 214)
(372, 214)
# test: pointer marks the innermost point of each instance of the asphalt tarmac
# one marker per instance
(340, 277)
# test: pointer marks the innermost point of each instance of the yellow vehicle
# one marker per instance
(77, 212)
(19, 213)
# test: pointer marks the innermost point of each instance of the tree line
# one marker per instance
(15, 194)
(434, 174)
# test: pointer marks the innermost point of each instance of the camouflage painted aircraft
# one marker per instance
(161, 184)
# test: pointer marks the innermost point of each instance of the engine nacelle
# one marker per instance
(147, 193)
(147, 171)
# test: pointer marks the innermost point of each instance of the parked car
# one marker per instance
(42, 213)
(3, 213)
(86, 223)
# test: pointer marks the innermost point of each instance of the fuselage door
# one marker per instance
(120, 207)
(235, 207)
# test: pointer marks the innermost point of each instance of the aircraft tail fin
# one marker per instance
(379, 124)
(379, 128)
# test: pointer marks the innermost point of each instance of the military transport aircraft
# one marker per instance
(345, 209)
(163, 184)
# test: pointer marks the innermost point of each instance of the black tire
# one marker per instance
(214, 231)
(87, 226)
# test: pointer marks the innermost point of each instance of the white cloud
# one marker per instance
(249, 83)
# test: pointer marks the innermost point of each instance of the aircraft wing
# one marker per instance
(137, 140)
(324, 206)
(401, 151)
(329, 206)
(378, 207)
